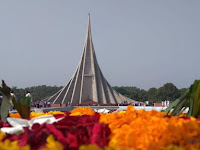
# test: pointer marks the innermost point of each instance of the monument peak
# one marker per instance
(88, 82)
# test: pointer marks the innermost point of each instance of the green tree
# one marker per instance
(38, 92)
(122, 90)
(142, 95)
(151, 93)
(182, 91)
(167, 92)
(134, 94)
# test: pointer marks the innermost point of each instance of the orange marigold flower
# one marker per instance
(14, 115)
(34, 114)
(146, 130)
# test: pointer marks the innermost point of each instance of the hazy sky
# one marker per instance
(137, 43)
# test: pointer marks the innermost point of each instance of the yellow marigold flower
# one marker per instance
(34, 114)
(55, 113)
(82, 111)
(52, 144)
(8, 145)
(93, 147)
(122, 112)
(174, 147)
(76, 114)
(1, 135)
(89, 147)
(183, 115)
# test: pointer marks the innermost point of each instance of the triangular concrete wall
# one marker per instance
(88, 82)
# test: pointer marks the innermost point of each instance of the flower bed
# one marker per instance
(84, 129)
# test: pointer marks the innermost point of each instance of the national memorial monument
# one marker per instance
(88, 82)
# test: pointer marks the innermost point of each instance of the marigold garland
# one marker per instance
(34, 114)
(130, 129)
(151, 130)
(82, 111)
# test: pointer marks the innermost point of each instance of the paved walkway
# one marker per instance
(69, 108)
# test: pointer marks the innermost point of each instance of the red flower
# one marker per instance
(3, 124)
(72, 140)
(99, 134)
(71, 131)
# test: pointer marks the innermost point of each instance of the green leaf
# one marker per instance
(26, 101)
(167, 110)
(179, 107)
(196, 96)
(5, 106)
(18, 107)
(178, 104)
(193, 91)
(5, 89)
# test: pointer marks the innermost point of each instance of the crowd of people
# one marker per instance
(39, 104)
(26, 94)
(44, 104)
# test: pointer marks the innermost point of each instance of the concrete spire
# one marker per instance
(88, 82)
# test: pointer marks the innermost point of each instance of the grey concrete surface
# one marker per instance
(88, 82)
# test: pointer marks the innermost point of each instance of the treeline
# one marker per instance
(38, 92)
(167, 92)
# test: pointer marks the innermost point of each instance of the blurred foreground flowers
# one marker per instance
(83, 129)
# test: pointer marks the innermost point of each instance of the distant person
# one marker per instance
(38, 104)
(43, 104)
(167, 103)
(125, 103)
(13, 95)
(1, 97)
(28, 94)
(146, 103)
(162, 103)
(49, 104)
(67, 104)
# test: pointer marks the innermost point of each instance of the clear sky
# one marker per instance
(137, 43)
